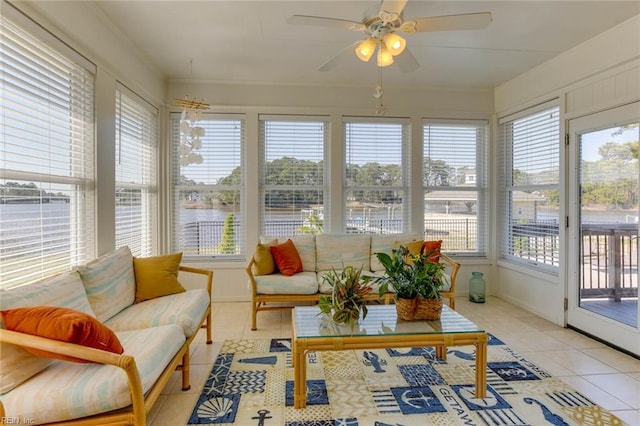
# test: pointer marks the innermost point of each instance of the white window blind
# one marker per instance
(455, 184)
(376, 167)
(529, 188)
(136, 188)
(292, 175)
(46, 157)
(208, 215)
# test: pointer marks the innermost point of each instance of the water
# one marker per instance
(16, 219)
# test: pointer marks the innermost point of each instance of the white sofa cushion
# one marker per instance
(64, 290)
(335, 251)
(383, 243)
(87, 389)
(300, 283)
(109, 282)
(184, 309)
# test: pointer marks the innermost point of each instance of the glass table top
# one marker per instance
(381, 320)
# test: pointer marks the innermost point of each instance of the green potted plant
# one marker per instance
(416, 282)
(348, 295)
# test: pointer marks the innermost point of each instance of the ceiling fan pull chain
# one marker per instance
(378, 93)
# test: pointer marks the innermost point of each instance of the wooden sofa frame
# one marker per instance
(259, 301)
(136, 413)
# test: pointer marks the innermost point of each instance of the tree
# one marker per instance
(229, 197)
(313, 224)
(228, 243)
(437, 173)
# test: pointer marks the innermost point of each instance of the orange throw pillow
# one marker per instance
(63, 324)
(287, 258)
(432, 249)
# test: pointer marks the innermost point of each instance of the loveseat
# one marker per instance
(274, 287)
(97, 344)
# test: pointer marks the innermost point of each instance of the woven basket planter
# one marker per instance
(419, 309)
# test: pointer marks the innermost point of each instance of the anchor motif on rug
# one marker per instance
(372, 359)
(262, 415)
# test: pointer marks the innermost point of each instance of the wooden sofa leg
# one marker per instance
(186, 367)
(452, 302)
(254, 315)
(209, 341)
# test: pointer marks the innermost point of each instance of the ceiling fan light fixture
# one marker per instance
(365, 49)
(385, 58)
(394, 43)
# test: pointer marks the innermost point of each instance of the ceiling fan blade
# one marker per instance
(321, 21)
(406, 61)
(394, 7)
(465, 21)
(340, 57)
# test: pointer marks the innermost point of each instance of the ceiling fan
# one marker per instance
(381, 33)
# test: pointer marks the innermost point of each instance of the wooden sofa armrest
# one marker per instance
(61, 348)
(455, 266)
(209, 284)
(125, 362)
(252, 278)
(206, 272)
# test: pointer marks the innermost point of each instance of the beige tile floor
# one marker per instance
(608, 377)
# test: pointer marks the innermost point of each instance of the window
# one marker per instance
(208, 215)
(375, 184)
(455, 184)
(136, 142)
(529, 187)
(292, 175)
(46, 154)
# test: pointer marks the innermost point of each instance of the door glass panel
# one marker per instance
(609, 190)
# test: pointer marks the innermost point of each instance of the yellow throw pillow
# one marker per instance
(264, 263)
(157, 276)
(414, 248)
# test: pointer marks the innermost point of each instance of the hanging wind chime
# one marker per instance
(190, 133)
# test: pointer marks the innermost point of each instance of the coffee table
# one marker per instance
(313, 331)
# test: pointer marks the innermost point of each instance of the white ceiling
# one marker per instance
(250, 41)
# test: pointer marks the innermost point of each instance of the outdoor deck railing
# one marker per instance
(609, 266)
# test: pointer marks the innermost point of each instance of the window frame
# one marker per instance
(48, 99)
(316, 221)
(542, 235)
(208, 151)
(136, 134)
(479, 183)
(405, 170)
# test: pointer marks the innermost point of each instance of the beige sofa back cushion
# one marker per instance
(334, 251)
(64, 290)
(306, 246)
(109, 282)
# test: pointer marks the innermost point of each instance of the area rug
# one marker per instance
(251, 383)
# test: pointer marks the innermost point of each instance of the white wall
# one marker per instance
(83, 26)
(596, 75)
